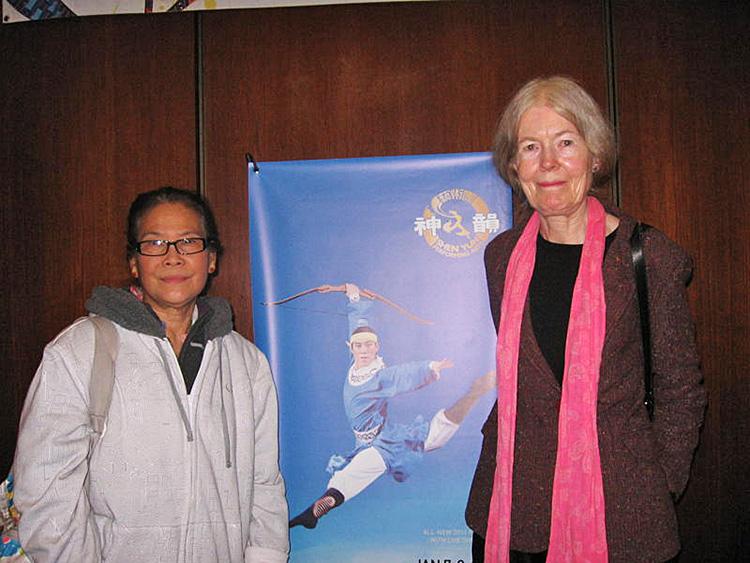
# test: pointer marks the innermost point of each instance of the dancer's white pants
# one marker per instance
(368, 464)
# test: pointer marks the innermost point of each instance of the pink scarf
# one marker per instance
(578, 531)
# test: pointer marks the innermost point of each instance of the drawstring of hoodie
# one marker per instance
(176, 394)
(224, 422)
(180, 406)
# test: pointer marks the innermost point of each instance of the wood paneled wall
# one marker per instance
(95, 110)
(682, 97)
(92, 112)
(370, 80)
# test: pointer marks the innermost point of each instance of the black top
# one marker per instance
(551, 294)
(191, 354)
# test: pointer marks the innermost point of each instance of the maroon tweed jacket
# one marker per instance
(642, 462)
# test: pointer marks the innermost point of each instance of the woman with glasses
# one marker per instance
(186, 467)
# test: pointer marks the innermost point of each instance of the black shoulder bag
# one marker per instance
(639, 265)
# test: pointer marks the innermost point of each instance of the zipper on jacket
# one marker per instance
(173, 386)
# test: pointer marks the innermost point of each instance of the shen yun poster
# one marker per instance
(369, 299)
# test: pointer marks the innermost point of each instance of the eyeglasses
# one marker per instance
(189, 245)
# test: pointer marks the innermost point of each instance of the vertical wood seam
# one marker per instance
(200, 147)
(612, 101)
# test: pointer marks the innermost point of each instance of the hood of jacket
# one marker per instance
(120, 306)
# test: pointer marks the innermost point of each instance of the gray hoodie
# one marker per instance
(174, 477)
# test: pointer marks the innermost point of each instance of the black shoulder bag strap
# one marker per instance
(639, 265)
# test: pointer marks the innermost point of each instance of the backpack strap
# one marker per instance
(641, 285)
(103, 371)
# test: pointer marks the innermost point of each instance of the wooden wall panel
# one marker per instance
(371, 80)
(683, 87)
(92, 112)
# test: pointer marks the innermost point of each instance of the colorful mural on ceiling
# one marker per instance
(14, 11)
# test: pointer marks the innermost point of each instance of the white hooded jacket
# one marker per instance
(175, 477)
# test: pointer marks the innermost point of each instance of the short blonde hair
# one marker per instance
(566, 97)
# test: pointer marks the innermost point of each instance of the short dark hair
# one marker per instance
(146, 201)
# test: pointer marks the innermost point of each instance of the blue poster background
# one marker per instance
(412, 229)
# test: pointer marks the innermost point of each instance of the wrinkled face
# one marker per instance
(553, 163)
(364, 352)
(175, 280)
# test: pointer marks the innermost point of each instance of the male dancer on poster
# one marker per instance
(383, 446)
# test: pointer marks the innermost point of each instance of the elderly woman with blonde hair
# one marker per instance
(571, 467)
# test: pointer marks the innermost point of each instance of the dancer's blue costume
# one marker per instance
(366, 403)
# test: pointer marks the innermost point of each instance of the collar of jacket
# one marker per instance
(122, 307)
